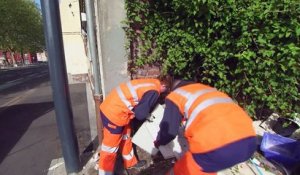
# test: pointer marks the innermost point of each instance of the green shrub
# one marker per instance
(249, 49)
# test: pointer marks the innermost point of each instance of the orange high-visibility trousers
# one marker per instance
(187, 166)
(110, 145)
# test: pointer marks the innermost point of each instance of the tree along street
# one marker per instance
(21, 28)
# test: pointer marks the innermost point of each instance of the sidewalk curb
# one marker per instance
(57, 167)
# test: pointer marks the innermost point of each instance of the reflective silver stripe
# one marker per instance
(193, 97)
(124, 100)
(182, 92)
(129, 156)
(125, 137)
(143, 85)
(187, 95)
(133, 92)
(134, 88)
(102, 172)
(172, 171)
(109, 149)
(204, 105)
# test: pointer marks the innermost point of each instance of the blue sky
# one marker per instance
(38, 2)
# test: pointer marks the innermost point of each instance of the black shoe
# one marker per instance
(141, 164)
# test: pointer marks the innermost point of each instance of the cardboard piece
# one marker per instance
(147, 134)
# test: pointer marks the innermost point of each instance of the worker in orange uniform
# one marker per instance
(132, 100)
(218, 131)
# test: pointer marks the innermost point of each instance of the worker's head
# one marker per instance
(166, 82)
(164, 88)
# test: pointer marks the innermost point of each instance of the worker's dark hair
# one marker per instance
(175, 75)
(166, 79)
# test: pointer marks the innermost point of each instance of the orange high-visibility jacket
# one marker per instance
(213, 120)
(118, 105)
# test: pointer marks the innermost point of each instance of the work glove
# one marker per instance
(151, 118)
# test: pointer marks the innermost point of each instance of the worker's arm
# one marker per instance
(169, 125)
(146, 104)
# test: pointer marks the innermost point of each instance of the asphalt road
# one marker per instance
(29, 138)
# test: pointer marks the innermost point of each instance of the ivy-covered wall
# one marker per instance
(249, 49)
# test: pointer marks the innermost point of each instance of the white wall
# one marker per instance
(76, 59)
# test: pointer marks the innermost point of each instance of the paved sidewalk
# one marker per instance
(82, 122)
(57, 167)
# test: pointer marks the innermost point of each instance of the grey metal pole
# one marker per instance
(58, 77)
(92, 44)
(95, 63)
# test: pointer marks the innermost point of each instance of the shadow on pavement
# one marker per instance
(88, 152)
(15, 120)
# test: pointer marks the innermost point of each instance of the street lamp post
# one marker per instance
(59, 81)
